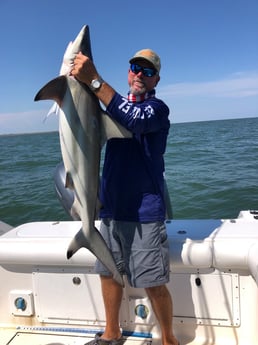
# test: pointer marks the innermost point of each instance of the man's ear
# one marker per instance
(157, 80)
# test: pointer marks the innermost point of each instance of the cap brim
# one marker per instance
(134, 59)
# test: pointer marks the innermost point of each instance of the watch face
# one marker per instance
(96, 84)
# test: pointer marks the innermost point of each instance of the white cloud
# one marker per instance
(27, 122)
(235, 96)
(241, 84)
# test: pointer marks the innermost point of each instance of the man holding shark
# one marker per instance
(132, 192)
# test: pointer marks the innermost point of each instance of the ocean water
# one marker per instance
(211, 172)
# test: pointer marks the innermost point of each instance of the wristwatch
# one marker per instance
(96, 84)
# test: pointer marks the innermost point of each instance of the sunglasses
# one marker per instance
(146, 71)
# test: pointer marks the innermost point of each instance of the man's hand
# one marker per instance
(83, 69)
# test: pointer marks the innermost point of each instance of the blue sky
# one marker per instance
(208, 49)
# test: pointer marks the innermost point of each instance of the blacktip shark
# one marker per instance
(83, 129)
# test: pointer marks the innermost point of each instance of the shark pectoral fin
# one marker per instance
(55, 90)
(112, 129)
(98, 247)
(53, 110)
(77, 242)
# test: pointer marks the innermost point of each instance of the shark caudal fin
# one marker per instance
(81, 43)
(55, 88)
(99, 248)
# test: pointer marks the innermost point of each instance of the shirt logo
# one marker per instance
(137, 112)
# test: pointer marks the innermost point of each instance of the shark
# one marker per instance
(84, 127)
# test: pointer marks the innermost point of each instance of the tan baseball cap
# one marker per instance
(149, 55)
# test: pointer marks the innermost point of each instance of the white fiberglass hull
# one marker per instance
(46, 299)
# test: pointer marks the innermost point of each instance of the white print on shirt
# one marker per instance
(136, 111)
(149, 111)
(125, 107)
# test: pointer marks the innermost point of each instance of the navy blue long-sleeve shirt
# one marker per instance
(132, 187)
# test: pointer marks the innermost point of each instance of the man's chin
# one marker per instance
(136, 91)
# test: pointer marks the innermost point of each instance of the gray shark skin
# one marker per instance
(83, 128)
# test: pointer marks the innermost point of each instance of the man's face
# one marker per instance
(138, 82)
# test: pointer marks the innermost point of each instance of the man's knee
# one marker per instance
(157, 291)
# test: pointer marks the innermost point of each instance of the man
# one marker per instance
(132, 192)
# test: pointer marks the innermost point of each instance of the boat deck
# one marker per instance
(55, 337)
(46, 299)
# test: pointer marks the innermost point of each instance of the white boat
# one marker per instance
(46, 299)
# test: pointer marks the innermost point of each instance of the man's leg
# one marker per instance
(112, 294)
(163, 308)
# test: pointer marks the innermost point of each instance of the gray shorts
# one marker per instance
(141, 251)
